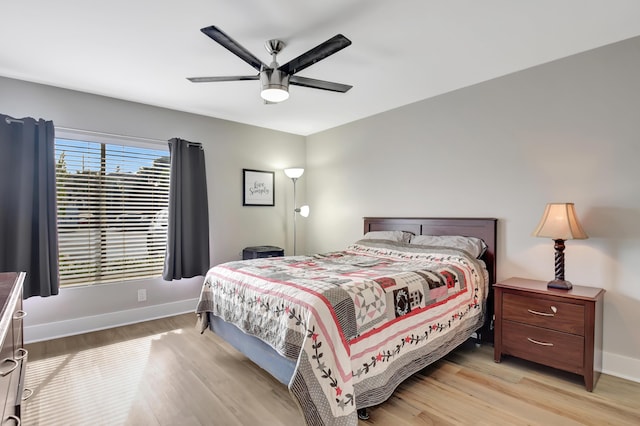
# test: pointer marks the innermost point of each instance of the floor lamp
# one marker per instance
(295, 174)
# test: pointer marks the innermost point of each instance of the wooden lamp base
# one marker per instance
(560, 284)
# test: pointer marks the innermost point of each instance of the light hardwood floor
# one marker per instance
(163, 372)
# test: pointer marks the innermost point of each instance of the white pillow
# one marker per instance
(397, 236)
(472, 245)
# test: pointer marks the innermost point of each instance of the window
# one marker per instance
(112, 209)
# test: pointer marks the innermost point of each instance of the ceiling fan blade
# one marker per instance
(233, 46)
(321, 51)
(229, 78)
(318, 84)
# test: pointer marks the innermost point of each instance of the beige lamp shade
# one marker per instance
(559, 222)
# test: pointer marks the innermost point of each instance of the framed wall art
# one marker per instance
(258, 188)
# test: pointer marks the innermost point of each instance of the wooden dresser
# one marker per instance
(557, 328)
(13, 356)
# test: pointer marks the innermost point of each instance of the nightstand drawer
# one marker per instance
(552, 348)
(561, 316)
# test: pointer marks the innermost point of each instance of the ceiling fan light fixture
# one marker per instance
(275, 85)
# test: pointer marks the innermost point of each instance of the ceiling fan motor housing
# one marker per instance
(275, 85)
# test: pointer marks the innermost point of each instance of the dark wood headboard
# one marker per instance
(484, 228)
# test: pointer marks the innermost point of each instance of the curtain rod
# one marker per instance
(10, 120)
(189, 143)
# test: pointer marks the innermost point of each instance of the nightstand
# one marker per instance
(557, 328)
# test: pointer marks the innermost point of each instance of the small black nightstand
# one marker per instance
(261, 251)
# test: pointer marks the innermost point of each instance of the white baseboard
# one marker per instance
(621, 366)
(54, 330)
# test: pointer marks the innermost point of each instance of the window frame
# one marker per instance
(127, 141)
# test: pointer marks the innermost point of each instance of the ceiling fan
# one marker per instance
(274, 78)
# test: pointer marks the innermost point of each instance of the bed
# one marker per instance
(343, 329)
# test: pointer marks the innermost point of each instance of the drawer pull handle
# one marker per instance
(17, 420)
(21, 353)
(19, 314)
(544, 314)
(15, 365)
(539, 343)
(27, 393)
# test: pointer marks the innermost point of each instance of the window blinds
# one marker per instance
(112, 211)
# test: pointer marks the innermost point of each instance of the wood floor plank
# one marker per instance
(164, 372)
(503, 396)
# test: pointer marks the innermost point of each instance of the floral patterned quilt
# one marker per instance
(357, 322)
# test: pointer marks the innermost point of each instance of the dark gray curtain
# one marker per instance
(28, 229)
(188, 231)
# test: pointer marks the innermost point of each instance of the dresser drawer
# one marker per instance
(17, 328)
(12, 358)
(560, 316)
(553, 348)
(6, 364)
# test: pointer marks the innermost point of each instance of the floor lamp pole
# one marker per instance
(294, 215)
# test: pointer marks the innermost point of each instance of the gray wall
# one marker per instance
(564, 131)
(229, 147)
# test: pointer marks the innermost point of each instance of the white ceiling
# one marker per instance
(402, 51)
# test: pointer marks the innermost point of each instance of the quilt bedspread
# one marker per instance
(354, 320)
